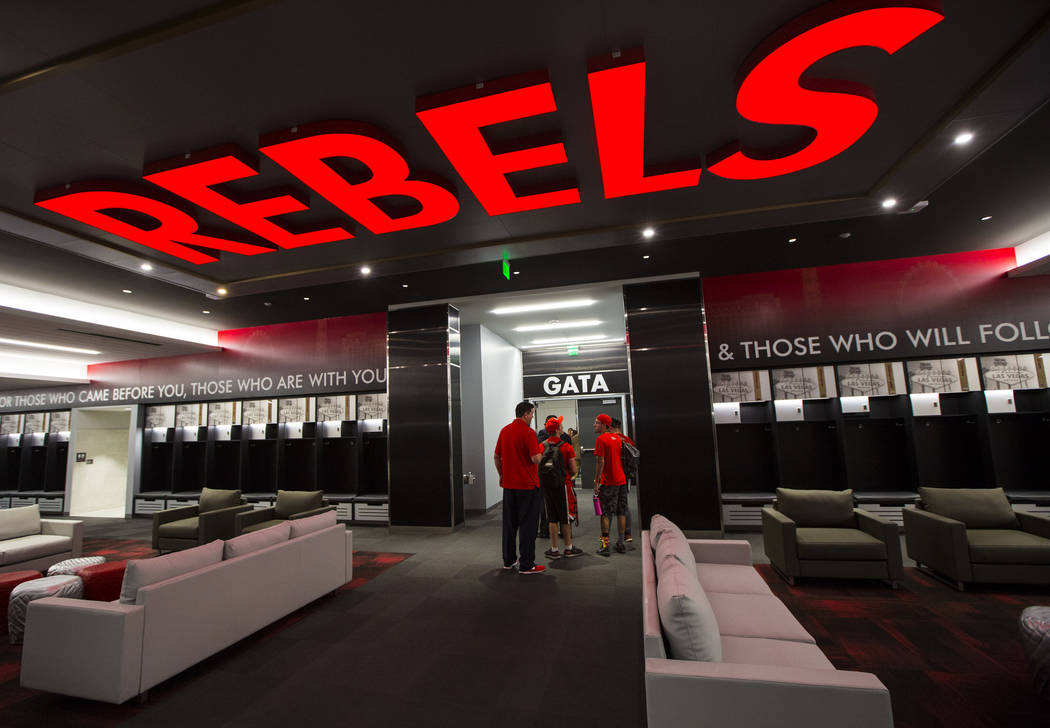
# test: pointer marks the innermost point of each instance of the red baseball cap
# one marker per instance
(553, 424)
(604, 419)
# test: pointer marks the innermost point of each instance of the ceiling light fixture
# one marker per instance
(306, 298)
(517, 272)
(365, 270)
(547, 306)
(125, 290)
(205, 311)
(889, 202)
(570, 342)
(582, 323)
(221, 291)
(267, 303)
(792, 240)
(964, 138)
(146, 267)
(568, 339)
(986, 218)
(404, 285)
(648, 233)
(51, 347)
(645, 257)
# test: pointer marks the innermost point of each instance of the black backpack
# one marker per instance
(629, 455)
(552, 466)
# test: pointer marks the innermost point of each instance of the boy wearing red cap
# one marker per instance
(557, 466)
(609, 480)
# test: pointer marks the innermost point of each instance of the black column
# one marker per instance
(426, 482)
(671, 404)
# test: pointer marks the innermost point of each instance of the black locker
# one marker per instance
(260, 467)
(12, 466)
(297, 466)
(746, 457)
(373, 464)
(1017, 441)
(34, 470)
(809, 455)
(191, 469)
(225, 465)
(338, 465)
(56, 467)
(158, 473)
(949, 452)
(877, 455)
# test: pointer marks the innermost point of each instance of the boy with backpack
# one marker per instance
(629, 461)
(557, 466)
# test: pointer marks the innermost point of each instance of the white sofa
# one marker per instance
(112, 651)
(28, 541)
(771, 673)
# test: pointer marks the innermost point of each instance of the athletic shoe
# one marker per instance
(537, 569)
(570, 552)
(508, 568)
(627, 538)
(604, 550)
(552, 554)
(620, 548)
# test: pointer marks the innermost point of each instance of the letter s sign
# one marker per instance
(552, 385)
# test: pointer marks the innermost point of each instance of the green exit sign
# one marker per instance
(574, 351)
(506, 265)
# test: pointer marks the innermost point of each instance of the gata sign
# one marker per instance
(774, 91)
(576, 383)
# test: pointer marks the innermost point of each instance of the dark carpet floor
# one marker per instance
(948, 658)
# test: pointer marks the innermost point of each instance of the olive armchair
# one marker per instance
(291, 505)
(189, 526)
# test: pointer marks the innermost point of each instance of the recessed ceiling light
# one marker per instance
(648, 233)
(565, 342)
(549, 305)
(50, 347)
(146, 266)
(986, 218)
(125, 290)
(221, 291)
(889, 202)
(306, 298)
(404, 285)
(267, 303)
(365, 270)
(517, 272)
(568, 339)
(645, 257)
(964, 138)
(845, 236)
(792, 240)
(583, 323)
(205, 311)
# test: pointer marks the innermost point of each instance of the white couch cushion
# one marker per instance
(686, 617)
(731, 579)
(303, 526)
(143, 572)
(27, 548)
(658, 526)
(248, 542)
(756, 615)
(782, 653)
(15, 522)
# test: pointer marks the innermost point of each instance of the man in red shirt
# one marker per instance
(609, 482)
(617, 429)
(557, 466)
(517, 455)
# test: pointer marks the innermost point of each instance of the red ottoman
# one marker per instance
(8, 582)
(102, 582)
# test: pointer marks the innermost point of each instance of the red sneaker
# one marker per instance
(537, 569)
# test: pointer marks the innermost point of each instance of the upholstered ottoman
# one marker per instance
(29, 591)
(1035, 633)
(8, 582)
(73, 566)
(102, 582)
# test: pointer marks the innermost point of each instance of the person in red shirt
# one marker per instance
(517, 455)
(617, 429)
(609, 482)
(559, 459)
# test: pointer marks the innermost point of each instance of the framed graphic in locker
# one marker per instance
(221, 413)
(59, 422)
(750, 386)
(160, 415)
(35, 422)
(188, 415)
(1014, 371)
(871, 380)
(943, 375)
(295, 409)
(372, 407)
(258, 412)
(332, 408)
(10, 424)
(804, 383)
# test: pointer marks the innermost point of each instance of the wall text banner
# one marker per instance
(934, 306)
(345, 354)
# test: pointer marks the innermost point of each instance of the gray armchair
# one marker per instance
(291, 505)
(971, 535)
(819, 533)
(189, 526)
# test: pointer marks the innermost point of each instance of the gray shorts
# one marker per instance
(613, 499)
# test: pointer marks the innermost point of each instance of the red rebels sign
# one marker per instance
(773, 91)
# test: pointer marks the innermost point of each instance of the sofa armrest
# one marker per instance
(69, 529)
(938, 541)
(314, 512)
(780, 541)
(760, 696)
(243, 519)
(82, 648)
(889, 534)
(218, 523)
(720, 551)
(1035, 523)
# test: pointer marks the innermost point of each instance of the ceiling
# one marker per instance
(99, 91)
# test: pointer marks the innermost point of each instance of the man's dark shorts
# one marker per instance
(557, 504)
(613, 499)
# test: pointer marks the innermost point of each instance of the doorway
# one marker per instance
(99, 482)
